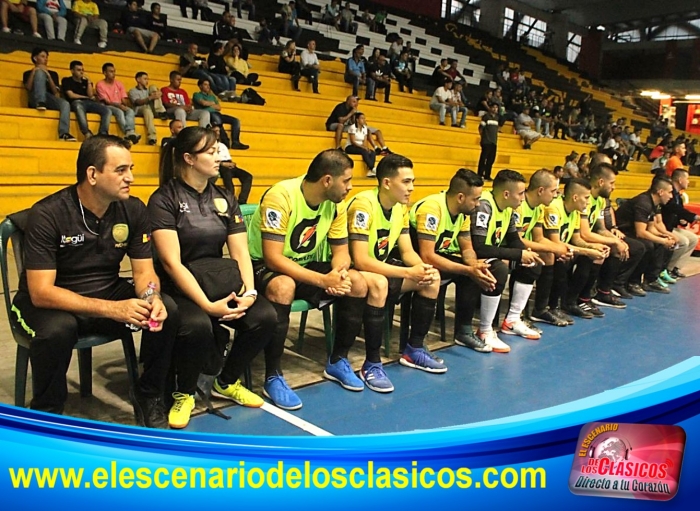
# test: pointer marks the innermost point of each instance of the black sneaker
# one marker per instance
(562, 315)
(608, 300)
(591, 309)
(547, 316)
(636, 290)
(577, 311)
(677, 274)
(149, 411)
(152, 141)
(472, 341)
(655, 287)
(238, 146)
(530, 325)
(622, 292)
(67, 137)
(133, 138)
(377, 151)
(41, 107)
(163, 116)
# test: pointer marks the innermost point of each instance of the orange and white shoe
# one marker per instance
(519, 328)
(491, 339)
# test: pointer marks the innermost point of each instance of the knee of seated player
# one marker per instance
(359, 285)
(432, 290)
(548, 258)
(499, 270)
(377, 288)
(281, 290)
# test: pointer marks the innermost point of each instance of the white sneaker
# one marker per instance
(101, 44)
(77, 41)
(6, 30)
(371, 173)
(491, 339)
(37, 35)
(519, 328)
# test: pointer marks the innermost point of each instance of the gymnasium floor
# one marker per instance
(567, 364)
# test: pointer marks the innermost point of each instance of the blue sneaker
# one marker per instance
(281, 395)
(418, 358)
(372, 373)
(342, 373)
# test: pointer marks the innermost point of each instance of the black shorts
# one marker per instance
(312, 294)
(395, 283)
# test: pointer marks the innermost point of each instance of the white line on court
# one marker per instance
(295, 421)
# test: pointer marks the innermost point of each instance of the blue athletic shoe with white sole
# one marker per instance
(372, 373)
(342, 373)
(280, 393)
(418, 358)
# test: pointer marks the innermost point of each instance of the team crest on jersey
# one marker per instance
(431, 223)
(516, 217)
(184, 207)
(221, 205)
(273, 218)
(482, 220)
(120, 233)
(553, 218)
(361, 220)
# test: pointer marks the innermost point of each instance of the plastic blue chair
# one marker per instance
(9, 231)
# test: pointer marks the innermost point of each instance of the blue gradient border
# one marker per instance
(545, 438)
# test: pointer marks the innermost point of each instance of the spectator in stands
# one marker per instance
(636, 218)
(395, 50)
(347, 20)
(158, 22)
(43, 92)
(355, 72)
(225, 28)
(378, 21)
(310, 66)
(458, 103)
(488, 129)
(216, 63)
(454, 73)
(524, 127)
(136, 23)
(486, 102)
(264, 34)
(501, 76)
(557, 123)
(184, 4)
(440, 73)
(675, 216)
(584, 166)
(574, 126)
(206, 14)
(248, 5)
(304, 11)
(677, 154)
(239, 68)
(87, 14)
(80, 93)
(176, 127)
(22, 10)
(193, 66)
(147, 103)
(343, 116)
(113, 94)
(442, 103)
(379, 77)
(617, 153)
(52, 12)
(207, 100)
(228, 170)
(571, 170)
(177, 103)
(368, 19)
(331, 14)
(290, 22)
(360, 142)
(635, 144)
(402, 72)
(289, 64)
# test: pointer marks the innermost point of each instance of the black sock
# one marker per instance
(422, 315)
(578, 280)
(592, 279)
(373, 321)
(608, 272)
(350, 309)
(275, 348)
(466, 297)
(544, 288)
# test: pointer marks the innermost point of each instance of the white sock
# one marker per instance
(521, 294)
(489, 308)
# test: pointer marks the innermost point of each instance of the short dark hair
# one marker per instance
(506, 176)
(187, 141)
(93, 153)
(170, 124)
(106, 66)
(463, 179)
(390, 165)
(37, 50)
(154, 5)
(658, 182)
(129, 2)
(677, 144)
(541, 178)
(173, 74)
(600, 171)
(577, 181)
(140, 74)
(217, 46)
(332, 162)
(678, 173)
(74, 64)
(201, 81)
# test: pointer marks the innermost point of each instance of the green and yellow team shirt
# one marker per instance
(285, 216)
(368, 221)
(556, 219)
(490, 222)
(527, 218)
(595, 210)
(430, 220)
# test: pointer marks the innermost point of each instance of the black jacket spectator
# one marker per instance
(674, 211)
